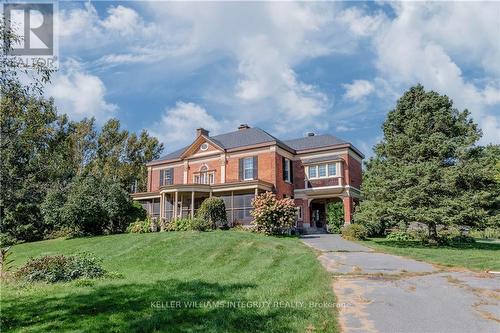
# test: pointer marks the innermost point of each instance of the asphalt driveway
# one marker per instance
(388, 293)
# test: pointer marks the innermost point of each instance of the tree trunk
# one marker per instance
(433, 237)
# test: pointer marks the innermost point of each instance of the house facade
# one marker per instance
(237, 166)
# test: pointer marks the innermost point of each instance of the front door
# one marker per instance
(318, 215)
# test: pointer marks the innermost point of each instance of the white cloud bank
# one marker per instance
(428, 43)
(178, 125)
(80, 94)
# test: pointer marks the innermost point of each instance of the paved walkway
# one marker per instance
(387, 293)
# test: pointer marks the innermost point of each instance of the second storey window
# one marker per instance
(287, 170)
(248, 168)
(323, 170)
(166, 177)
(204, 176)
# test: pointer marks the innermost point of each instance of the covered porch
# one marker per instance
(314, 205)
(184, 200)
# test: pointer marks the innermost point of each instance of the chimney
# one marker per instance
(310, 134)
(201, 131)
(243, 126)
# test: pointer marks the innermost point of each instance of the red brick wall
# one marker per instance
(323, 182)
(212, 165)
(155, 177)
(298, 175)
(266, 168)
(282, 187)
(355, 172)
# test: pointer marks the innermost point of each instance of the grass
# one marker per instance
(479, 256)
(187, 267)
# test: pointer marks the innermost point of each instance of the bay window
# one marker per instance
(323, 170)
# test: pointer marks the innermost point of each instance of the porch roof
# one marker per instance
(232, 186)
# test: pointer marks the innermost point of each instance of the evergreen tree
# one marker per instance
(426, 168)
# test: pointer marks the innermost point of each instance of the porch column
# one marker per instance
(176, 198)
(232, 207)
(162, 205)
(347, 201)
(256, 193)
(192, 204)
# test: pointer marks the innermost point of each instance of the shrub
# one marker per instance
(61, 268)
(186, 224)
(140, 227)
(213, 210)
(335, 216)
(487, 233)
(354, 231)
(199, 224)
(452, 235)
(182, 224)
(399, 236)
(273, 216)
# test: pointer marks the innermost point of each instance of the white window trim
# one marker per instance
(316, 166)
(206, 175)
(299, 213)
(289, 164)
(251, 169)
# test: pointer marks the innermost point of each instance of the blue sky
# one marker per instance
(289, 68)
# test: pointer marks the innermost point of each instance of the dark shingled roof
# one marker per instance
(242, 138)
(322, 159)
(255, 135)
(316, 141)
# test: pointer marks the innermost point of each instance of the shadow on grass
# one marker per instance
(128, 307)
(420, 245)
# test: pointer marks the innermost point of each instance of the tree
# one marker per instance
(335, 216)
(41, 153)
(421, 171)
(122, 156)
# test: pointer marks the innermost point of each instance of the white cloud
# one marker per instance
(427, 42)
(178, 125)
(80, 94)
(358, 89)
(361, 24)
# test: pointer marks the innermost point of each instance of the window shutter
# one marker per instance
(283, 164)
(240, 168)
(255, 168)
(291, 171)
(161, 177)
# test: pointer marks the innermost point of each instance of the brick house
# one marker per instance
(237, 166)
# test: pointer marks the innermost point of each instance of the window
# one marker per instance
(248, 168)
(332, 169)
(287, 170)
(299, 212)
(166, 177)
(313, 171)
(204, 176)
(323, 170)
(204, 146)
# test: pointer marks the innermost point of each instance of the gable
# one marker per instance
(202, 146)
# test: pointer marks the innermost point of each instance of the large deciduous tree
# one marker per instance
(427, 168)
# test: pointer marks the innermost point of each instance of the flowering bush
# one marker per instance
(273, 216)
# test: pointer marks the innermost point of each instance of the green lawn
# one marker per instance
(480, 256)
(231, 266)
